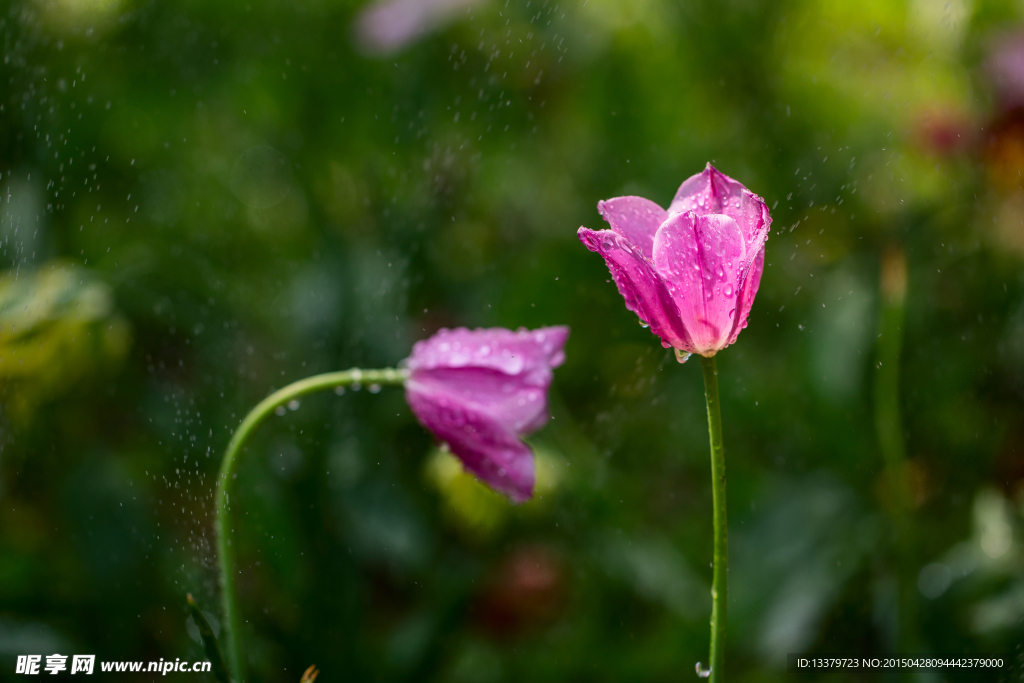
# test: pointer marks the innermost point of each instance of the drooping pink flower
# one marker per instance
(480, 391)
(691, 272)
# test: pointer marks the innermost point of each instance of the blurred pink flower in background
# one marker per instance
(1005, 68)
(944, 130)
(526, 589)
(480, 391)
(387, 26)
(690, 273)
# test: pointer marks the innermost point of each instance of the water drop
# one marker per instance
(682, 356)
(280, 410)
(644, 325)
(374, 388)
(727, 291)
(293, 404)
(702, 672)
(339, 390)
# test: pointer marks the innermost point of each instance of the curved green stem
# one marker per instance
(720, 582)
(225, 547)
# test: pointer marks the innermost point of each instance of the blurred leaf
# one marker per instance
(57, 327)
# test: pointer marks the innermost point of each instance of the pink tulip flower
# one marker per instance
(480, 391)
(691, 272)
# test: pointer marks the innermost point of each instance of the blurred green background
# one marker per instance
(205, 200)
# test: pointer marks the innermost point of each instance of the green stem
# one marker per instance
(889, 427)
(225, 547)
(720, 582)
(888, 422)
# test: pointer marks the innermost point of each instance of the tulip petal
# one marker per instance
(711, 191)
(639, 284)
(635, 218)
(517, 402)
(702, 259)
(512, 353)
(486, 448)
(751, 280)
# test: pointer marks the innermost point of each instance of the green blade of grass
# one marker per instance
(209, 641)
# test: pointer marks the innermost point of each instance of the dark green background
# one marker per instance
(153, 294)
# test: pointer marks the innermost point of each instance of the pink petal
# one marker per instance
(751, 281)
(517, 402)
(512, 353)
(711, 191)
(485, 447)
(635, 218)
(703, 258)
(639, 284)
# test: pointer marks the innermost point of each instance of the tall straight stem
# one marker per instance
(226, 550)
(889, 427)
(720, 580)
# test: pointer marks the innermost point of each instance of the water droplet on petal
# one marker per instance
(682, 356)
(644, 325)
(727, 291)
